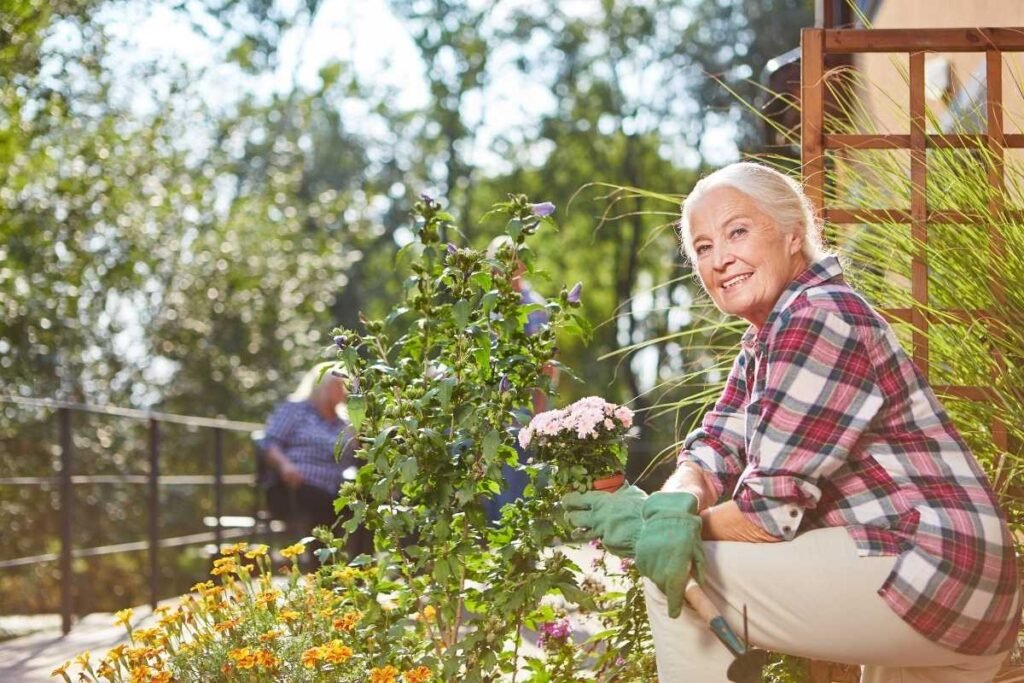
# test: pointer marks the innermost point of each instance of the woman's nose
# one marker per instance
(721, 256)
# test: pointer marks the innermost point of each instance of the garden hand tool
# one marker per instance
(661, 531)
(750, 661)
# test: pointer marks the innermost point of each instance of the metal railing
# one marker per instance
(66, 479)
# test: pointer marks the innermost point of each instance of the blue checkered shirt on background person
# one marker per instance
(309, 440)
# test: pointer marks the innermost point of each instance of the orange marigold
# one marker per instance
(420, 674)
(347, 621)
(387, 674)
(337, 652)
(311, 656)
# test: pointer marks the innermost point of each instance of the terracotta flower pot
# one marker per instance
(609, 484)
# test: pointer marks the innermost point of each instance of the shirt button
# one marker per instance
(786, 529)
(794, 513)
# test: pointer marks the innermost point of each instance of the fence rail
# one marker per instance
(66, 479)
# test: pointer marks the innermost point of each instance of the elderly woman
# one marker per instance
(835, 499)
(301, 436)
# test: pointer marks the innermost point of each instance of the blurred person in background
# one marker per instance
(302, 435)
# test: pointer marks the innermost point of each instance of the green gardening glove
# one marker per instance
(668, 545)
(613, 518)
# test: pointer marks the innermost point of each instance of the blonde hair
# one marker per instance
(314, 382)
(775, 193)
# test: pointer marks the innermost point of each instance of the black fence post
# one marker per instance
(218, 484)
(154, 511)
(66, 500)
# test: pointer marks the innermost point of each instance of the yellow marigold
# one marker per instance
(224, 565)
(289, 615)
(148, 636)
(293, 550)
(337, 652)
(257, 551)
(420, 674)
(104, 670)
(116, 652)
(311, 656)
(82, 659)
(346, 576)
(62, 669)
(429, 613)
(347, 621)
(226, 625)
(124, 617)
(267, 598)
(235, 549)
(387, 674)
(247, 662)
(141, 674)
(161, 677)
(202, 587)
(139, 655)
(239, 653)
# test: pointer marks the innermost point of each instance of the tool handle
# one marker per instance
(699, 600)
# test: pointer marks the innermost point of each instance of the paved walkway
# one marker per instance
(31, 658)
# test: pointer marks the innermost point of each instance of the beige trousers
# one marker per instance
(811, 597)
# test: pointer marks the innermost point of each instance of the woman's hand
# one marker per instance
(726, 522)
(287, 470)
(290, 475)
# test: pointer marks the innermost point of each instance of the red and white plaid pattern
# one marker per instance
(826, 422)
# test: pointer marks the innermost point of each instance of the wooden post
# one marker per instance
(918, 211)
(812, 115)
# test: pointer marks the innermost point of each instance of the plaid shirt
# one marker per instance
(826, 422)
(309, 441)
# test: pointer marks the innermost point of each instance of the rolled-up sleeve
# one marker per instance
(717, 446)
(820, 395)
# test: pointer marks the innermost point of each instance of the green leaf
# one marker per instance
(490, 444)
(356, 410)
(461, 311)
(408, 470)
(441, 571)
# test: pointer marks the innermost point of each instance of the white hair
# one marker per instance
(775, 193)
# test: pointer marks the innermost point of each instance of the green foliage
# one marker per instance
(436, 387)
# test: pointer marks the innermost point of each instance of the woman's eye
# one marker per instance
(738, 231)
(702, 249)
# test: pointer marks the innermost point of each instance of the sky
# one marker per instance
(366, 34)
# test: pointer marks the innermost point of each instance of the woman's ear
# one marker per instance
(795, 242)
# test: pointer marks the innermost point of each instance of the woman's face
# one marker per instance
(744, 261)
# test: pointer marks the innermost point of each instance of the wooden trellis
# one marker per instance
(816, 44)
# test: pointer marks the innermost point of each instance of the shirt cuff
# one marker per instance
(776, 503)
(702, 454)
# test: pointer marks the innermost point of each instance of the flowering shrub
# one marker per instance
(584, 439)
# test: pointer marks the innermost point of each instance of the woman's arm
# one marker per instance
(722, 522)
(290, 474)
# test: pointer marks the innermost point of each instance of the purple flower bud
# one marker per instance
(574, 293)
(340, 341)
(452, 249)
(504, 385)
(543, 209)
(424, 197)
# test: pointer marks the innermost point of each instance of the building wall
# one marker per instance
(886, 92)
